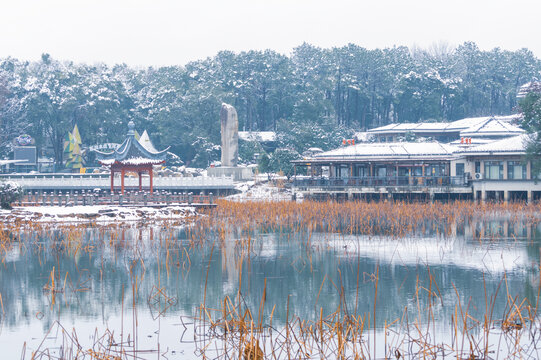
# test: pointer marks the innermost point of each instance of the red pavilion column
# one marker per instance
(122, 172)
(112, 181)
(150, 173)
(140, 174)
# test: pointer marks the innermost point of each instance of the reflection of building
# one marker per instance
(469, 248)
(484, 168)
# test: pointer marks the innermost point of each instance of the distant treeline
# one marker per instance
(311, 98)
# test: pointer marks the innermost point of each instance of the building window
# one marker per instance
(459, 169)
(477, 166)
(360, 171)
(494, 170)
(516, 170)
(381, 171)
(343, 171)
(403, 171)
(435, 170)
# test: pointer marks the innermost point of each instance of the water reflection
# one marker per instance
(101, 273)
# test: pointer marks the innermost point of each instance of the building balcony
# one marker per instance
(405, 182)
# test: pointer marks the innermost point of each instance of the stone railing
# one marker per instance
(102, 181)
(135, 198)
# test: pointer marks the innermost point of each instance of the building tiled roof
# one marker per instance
(389, 151)
(515, 144)
(132, 151)
(501, 125)
(492, 127)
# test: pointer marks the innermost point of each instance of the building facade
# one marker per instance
(494, 170)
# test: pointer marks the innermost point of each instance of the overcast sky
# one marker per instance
(169, 32)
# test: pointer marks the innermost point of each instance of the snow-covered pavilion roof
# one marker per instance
(133, 152)
(147, 144)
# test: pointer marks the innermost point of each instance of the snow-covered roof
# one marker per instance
(431, 126)
(474, 142)
(492, 127)
(465, 126)
(425, 151)
(467, 123)
(131, 151)
(405, 127)
(363, 136)
(515, 144)
(262, 136)
(105, 146)
(132, 161)
(147, 144)
(6, 162)
(413, 127)
(533, 86)
(389, 151)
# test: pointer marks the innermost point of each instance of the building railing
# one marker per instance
(381, 181)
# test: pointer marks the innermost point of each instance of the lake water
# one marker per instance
(147, 283)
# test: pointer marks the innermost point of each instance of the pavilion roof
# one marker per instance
(133, 152)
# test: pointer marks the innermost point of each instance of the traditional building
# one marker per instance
(495, 170)
(499, 171)
(132, 156)
(382, 170)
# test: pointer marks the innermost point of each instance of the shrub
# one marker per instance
(9, 192)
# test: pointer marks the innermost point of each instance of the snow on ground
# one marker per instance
(98, 213)
(260, 191)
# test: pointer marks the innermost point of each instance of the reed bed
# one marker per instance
(238, 330)
(392, 219)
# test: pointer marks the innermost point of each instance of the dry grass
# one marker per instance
(235, 331)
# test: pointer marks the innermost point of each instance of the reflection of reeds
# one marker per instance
(231, 330)
(345, 336)
(103, 346)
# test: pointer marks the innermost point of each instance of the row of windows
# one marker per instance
(516, 170)
(391, 170)
(493, 170)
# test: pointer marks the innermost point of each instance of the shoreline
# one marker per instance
(97, 214)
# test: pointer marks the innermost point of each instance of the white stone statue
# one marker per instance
(230, 135)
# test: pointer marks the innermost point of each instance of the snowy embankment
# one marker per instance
(98, 213)
(260, 191)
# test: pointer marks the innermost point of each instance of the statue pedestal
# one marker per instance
(239, 173)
